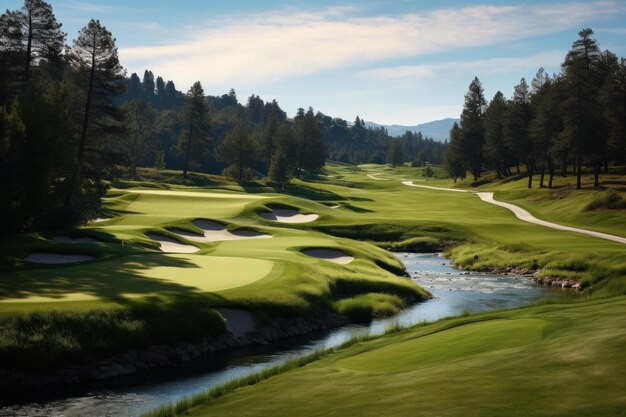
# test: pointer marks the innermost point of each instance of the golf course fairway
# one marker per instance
(552, 360)
(325, 251)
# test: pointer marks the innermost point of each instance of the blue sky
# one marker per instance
(392, 62)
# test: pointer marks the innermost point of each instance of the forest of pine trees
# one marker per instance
(557, 125)
(71, 121)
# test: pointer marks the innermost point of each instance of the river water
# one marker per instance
(455, 292)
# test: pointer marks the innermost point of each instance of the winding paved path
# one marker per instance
(524, 215)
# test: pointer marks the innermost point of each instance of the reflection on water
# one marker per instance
(455, 292)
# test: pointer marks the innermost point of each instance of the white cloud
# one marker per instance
(619, 31)
(468, 68)
(270, 47)
(97, 8)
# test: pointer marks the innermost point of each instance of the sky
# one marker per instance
(390, 62)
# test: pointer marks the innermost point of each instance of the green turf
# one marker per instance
(551, 360)
(272, 276)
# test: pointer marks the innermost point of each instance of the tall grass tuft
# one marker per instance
(609, 199)
(184, 404)
(47, 340)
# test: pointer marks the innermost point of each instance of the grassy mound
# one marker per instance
(550, 360)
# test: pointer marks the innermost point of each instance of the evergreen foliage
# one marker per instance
(575, 118)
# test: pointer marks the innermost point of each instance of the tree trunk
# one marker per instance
(578, 173)
(543, 173)
(29, 46)
(597, 166)
(189, 137)
(564, 166)
(529, 168)
(240, 162)
(83, 135)
(551, 171)
(269, 154)
(517, 166)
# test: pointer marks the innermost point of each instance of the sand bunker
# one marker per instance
(68, 239)
(215, 232)
(289, 216)
(56, 258)
(169, 245)
(331, 255)
(99, 220)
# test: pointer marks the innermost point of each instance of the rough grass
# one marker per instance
(609, 199)
(47, 339)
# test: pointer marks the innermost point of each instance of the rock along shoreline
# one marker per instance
(26, 384)
(532, 273)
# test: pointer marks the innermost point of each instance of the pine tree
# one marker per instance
(613, 100)
(194, 139)
(42, 37)
(516, 123)
(267, 137)
(134, 89)
(148, 84)
(581, 112)
(160, 86)
(454, 158)
(311, 149)
(546, 125)
(496, 152)
(93, 57)
(472, 127)
(31, 41)
(140, 122)
(159, 163)
(279, 168)
(395, 156)
(238, 150)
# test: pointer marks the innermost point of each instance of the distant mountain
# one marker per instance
(437, 129)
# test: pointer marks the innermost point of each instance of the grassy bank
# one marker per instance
(547, 360)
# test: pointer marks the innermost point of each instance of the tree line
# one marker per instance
(71, 121)
(573, 119)
(57, 116)
(267, 129)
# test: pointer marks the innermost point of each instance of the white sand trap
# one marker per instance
(289, 216)
(238, 322)
(56, 258)
(331, 255)
(99, 220)
(172, 246)
(68, 239)
(215, 232)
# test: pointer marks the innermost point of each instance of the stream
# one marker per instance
(455, 292)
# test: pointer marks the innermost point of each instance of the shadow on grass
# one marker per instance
(299, 190)
(117, 279)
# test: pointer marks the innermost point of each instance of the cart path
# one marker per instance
(524, 215)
